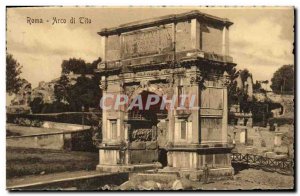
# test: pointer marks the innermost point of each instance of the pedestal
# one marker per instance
(191, 160)
(243, 136)
(278, 139)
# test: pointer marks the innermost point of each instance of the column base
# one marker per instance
(214, 174)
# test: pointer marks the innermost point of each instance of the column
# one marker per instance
(225, 110)
(195, 113)
(103, 47)
(171, 111)
(194, 103)
(243, 136)
(104, 112)
(278, 139)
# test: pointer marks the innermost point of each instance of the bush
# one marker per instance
(55, 107)
(36, 105)
(28, 122)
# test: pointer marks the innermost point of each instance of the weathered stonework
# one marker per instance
(184, 53)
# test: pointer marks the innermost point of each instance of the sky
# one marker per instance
(261, 39)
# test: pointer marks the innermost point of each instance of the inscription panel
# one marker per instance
(155, 40)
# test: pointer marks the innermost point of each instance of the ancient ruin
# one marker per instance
(173, 55)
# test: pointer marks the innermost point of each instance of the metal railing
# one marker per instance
(258, 161)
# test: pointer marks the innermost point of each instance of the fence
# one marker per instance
(257, 161)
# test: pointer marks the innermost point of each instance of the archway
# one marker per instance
(153, 112)
(144, 129)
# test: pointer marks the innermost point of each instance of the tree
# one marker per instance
(244, 74)
(258, 87)
(232, 87)
(90, 67)
(62, 88)
(236, 95)
(77, 66)
(36, 105)
(283, 80)
(13, 71)
(239, 95)
(85, 93)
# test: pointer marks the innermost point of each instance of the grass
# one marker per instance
(21, 161)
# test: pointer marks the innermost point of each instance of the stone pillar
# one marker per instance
(250, 122)
(233, 139)
(276, 127)
(225, 110)
(225, 41)
(103, 47)
(278, 139)
(126, 131)
(195, 110)
(243, 136)
(268, 126)
(240, 121)
(170, 159)
(103, 86)
(171, 111)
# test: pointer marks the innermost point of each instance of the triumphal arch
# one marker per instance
(171, 56)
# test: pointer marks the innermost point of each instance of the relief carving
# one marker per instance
(138, 135)
(198, 79)
(129, 90)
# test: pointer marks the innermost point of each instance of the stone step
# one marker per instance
(163, 178)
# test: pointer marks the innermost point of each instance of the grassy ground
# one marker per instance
(21, 162)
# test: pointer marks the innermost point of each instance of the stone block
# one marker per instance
(195, 176)
(151, 145)
(128, 185)
(143, 156)
(162, 178)
(137, 146)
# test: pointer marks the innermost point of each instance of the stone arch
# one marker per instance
(160, 90)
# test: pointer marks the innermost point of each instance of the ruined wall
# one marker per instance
(287, 101)
(55, 142)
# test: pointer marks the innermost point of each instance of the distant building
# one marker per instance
(45, 91)
(23, 96)
(20, 103)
